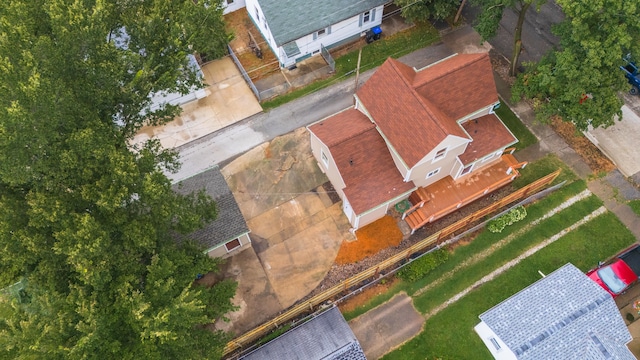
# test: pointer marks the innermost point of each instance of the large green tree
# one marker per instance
(90, 221)
(582, 81)
(423, 10)
(491, 15)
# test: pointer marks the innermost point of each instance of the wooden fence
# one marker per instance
(309, 305)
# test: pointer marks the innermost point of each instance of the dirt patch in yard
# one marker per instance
(380, 234)
(597, 162)
(364, 297)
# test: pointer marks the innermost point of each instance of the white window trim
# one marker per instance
(324, 33)
(364, 16)
(233, 248)
(444, 155)
(488, 157)
(325, 158)
(433, 173)
(462, 173)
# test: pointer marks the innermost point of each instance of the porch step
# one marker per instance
(415, 220)
(420, 194)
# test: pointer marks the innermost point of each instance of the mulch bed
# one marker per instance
(370, 239)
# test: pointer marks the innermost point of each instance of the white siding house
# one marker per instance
(295, 30)
(232, 5)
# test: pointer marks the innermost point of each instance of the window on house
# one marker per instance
(321, 33)
(257, 15)
(487, 158)
(440, 154)
(366, 16)
(233, 244)
(433, 173)
(466, 170)
(325, 160)
(229, 2)
(495, 343)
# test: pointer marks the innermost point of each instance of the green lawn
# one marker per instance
(454, 325)
(373, 55)
(521, 132)
(635, 206)
(542, 167)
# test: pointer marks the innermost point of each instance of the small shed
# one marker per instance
(228, 234)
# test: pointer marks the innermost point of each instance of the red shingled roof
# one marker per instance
(417, 111)
(459, 85)
(369, 173)
(489, 134)
(341, 126)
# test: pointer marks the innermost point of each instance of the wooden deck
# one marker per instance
(446, 196)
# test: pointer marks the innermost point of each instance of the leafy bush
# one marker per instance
(514, 215)
(422, 266)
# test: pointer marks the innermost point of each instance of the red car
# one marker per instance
(619, 275)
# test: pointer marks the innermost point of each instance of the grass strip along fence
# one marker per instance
(437, 238)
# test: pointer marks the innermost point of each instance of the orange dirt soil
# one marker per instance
(381, 234)
(364, 297)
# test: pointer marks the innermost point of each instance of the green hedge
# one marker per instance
(422, 266)
(514, 215)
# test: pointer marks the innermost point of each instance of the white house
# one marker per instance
(296, 29)
(232, 5)
(564, 315)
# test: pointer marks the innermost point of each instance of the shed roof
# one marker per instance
(229, 223)
(293, 19)
(326, 336)
(564, 315)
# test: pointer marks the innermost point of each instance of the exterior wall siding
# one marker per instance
(221, 251)
(235, 5)
(455, 145)
(309, 45)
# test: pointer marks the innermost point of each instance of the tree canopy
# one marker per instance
(582, 81)
(421, 11)
(489, 20)
(87, 219)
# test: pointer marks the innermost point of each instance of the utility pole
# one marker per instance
(455, 19)
(358, 69)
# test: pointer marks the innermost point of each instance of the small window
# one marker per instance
(315, 52)
(325, 160)
(366, 16)
(433, 173)
(495, 343)
(440, 154)
(233, 244)
(229, 2)
(487, 158)
(466, 170)
(321, 32)
(257, 15)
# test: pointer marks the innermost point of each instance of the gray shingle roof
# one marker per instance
(230, 223)
(564, 315)
(326, 336)
(293, 19)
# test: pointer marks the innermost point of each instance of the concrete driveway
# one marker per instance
(229, 100)
(620, 141)
(297, 227)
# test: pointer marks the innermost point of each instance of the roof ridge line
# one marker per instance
(368, 128)
(459, 66)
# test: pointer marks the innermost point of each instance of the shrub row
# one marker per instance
(514, 215)
(422, 266)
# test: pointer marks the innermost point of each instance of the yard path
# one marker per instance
(483, 254)
(601, 210)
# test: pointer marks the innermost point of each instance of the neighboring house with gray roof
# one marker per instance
(228, 234)
(326, 336)
(232, 5)
(564, 315)
(296, 29)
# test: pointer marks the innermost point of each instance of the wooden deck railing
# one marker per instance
(309, 305)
